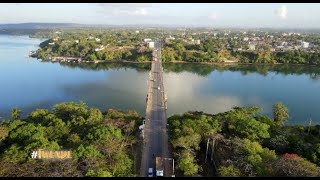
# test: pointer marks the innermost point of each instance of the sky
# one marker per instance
(274, 15)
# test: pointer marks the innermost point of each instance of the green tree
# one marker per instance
(229, 171)
(98, 173)
(279, 143)
(252, 129)
(280, 114)
(123, 165)
(16, 113)
(187, 164)
(86, 151)
(3, 132)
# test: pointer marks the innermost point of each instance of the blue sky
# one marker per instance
(289, 15)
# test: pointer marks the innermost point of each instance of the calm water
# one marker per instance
(28, 84)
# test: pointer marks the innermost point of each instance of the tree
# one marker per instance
(280, 114)
(123, 165)
(87, 152)
(252, 129)
(279, 143)
(187, 164)
(314, 153)
(38, 116)
(98, 173)
(3, 132)
(15, 113)
(295, 166)
(229, 171)
(253, 153)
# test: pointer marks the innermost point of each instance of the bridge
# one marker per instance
(155, 134)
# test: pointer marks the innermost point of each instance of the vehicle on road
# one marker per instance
(150, 172)
(158, 87)
(159, 166)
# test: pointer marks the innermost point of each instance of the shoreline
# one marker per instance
(73, 60)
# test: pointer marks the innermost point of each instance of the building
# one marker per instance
(98, 40)
(77, 41)
(168, 39)
(151, 44)
(284, 43)
(100, 48)
(305, 44)
(245, 39)
(197, 41)
(252, 46)
(51, 43)
(147, 40)
(137, 32)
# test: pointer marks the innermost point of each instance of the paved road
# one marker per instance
(155, 135)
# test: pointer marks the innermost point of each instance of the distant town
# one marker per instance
(179, 45)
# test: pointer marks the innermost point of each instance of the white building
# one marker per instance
(171, 38)
(147, 40)
(252, 47)
(197, 41)
(77, 41)
(52, 43)
(305, 44)
(137, 32)
(98, 40)
(100, 48)
(55, 39)
(151, 44)
(284, 43)
(245, 39)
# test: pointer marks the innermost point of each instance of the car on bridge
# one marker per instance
(150, 172)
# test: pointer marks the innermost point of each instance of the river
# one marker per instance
(28, 83)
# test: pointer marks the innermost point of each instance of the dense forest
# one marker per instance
(241, 142)
(102, 144)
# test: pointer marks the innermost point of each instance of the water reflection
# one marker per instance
(121, 89)
(30, 84)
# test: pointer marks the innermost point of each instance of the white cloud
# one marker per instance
(282, 12)
(213, 16)
(141, 12)
(138, 9)
(125, 5)
(138, 12)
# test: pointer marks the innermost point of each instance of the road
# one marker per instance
(155, 131)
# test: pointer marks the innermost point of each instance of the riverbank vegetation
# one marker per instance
(102, 144)
(216, 51)
(242, 142)
(88, 46)
(239, 142)
(130, 46)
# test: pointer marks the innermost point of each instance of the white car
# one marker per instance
(159, 88)
(150, 172)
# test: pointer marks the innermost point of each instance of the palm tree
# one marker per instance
(16, 113)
